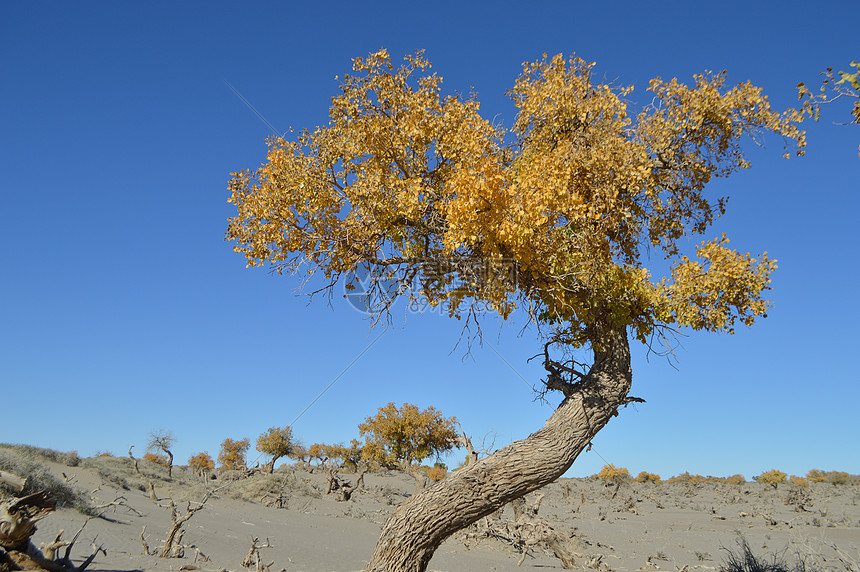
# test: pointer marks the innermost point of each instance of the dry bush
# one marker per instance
(37, 478)
(745, 561)
(70, 459)
(736, 480)
(232, 455)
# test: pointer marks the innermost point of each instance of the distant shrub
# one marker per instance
(155, 458)
(613, 474)
(798, 482)
(686, 477)
(816, 476)
(201, 463)
(773, 478)
(838, 477)
(232, 455)
(645, 477)
(70, 459)
(736, 480)
(104, 454)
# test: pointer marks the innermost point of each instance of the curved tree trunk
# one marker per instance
(419, 525)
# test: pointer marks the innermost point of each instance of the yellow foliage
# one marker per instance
(645, 477)
(798, 482)
(155, 458)
(322, 452)
(276, 442)
(201, 463)
(686, 477)
(736, 480)
(405, 179)
(232, 454)
(611, 473)
(816, 476)
(436, 474)
(773, 478)
(406, 436)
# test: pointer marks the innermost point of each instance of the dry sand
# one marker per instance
(629, 527)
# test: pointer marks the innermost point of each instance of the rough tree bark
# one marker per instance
(420, 524)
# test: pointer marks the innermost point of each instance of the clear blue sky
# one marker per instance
(124, 310)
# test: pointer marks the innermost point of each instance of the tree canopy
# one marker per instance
(558, 218)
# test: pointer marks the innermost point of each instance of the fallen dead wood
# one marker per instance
(12, 481)
(525, 532)
(17, 525)
(18, 519)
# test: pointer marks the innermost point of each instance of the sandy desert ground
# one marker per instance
(625, 526)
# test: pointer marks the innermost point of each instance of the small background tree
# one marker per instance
(201, 463)
(162, 440)
(402, 438)
(276, 442)
(232, 455)
(299, 453)
(319, 452)
(773, 478)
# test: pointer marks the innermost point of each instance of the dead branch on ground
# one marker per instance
(526, 531)
(17, 525)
